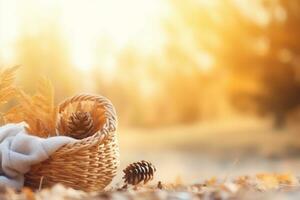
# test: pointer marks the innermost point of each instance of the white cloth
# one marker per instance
(19, 151)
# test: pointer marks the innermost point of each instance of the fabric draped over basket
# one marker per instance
(88, 164)
(19, 151)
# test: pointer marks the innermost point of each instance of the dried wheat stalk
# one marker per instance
(7, 90)
(37, 111)
(41, 115)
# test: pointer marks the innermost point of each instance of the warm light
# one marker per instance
(84, 24)
(8, 31)
(132, 22)
(205, 62)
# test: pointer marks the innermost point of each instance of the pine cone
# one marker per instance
(137, 172)
(80, 125)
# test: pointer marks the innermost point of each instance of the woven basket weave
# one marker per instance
(88, 164)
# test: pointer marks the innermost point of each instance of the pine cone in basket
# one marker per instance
(137, 172)
(81, 120)
(80, 125)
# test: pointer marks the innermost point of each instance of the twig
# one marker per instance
(41, 183)
(234, 164)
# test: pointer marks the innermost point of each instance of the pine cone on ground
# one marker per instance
(80, 125)
(137, 172)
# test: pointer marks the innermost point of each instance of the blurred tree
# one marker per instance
(284, 50)
(274, 61)
(258, 50)
(45, 54)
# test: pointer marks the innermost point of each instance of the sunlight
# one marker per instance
(8, 31)
(205, 62)
(84, 25)
(121, 22)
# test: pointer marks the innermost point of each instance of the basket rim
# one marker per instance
(100, 136)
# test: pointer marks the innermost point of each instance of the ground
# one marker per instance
(244, 159)
(216, 149)
(264, 186)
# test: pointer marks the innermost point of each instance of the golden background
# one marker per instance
(202, 82)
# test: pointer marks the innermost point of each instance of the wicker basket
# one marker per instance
(88, 164)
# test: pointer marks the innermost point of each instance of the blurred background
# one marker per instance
(202, 87)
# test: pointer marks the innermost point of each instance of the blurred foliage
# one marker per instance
(217, 57)
(259, 55)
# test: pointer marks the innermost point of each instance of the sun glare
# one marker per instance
(121, 22)
(83, 24)
(205, 62)
(8, 31)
